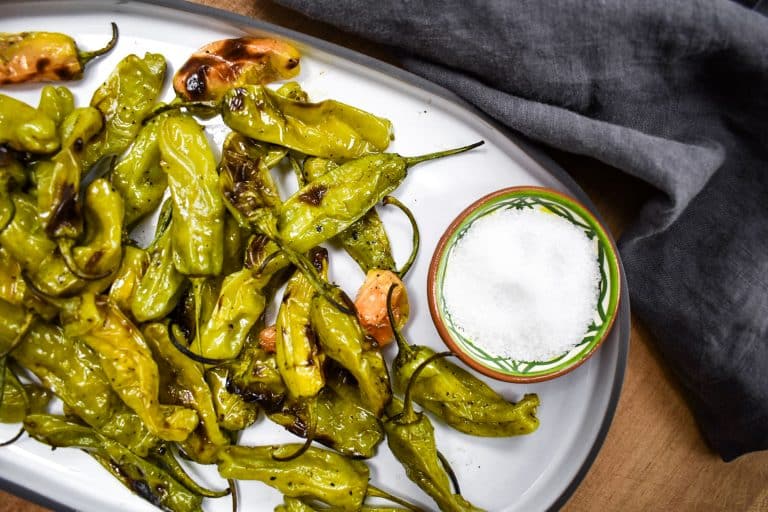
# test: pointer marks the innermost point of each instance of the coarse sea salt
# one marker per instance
(522, 284)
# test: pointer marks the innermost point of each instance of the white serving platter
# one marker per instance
(530, 473)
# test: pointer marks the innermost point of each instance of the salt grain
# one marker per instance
(522, 284)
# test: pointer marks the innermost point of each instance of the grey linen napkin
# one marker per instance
(672, 92)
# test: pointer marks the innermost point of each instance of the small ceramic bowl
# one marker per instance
(605, 313)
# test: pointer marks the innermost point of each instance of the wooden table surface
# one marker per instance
(654, 457)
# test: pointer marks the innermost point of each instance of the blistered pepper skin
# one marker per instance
(124, 99)
(411, 438)
(198, 209)
(144, 478)
(139, 177)
(328, 129)
(58, 184)
(127, 361)
(220, 65)
(317, 474)
(460, 399)
(24, 128)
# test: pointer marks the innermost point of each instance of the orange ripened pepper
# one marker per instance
(218, 66)
(44, 57)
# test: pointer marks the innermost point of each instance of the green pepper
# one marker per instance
(254, 377)
(15, 291)
(456, 396)
(164, 458)
(329, 129)
(14, 322)
(72, 371)
(342, 339)
(333, 202)
(411, 438)
(143, 478)
(100, 251)
(127, 361)
(134, 264)
(138, 175)
(24, 128)
(161, 286)
(321, 475)
(232, 411)
(56, 103)
(124, 99)
(26, 242)
(44, 57)
(365, 239)
(58, 185)
(341, 424)
(198, 210)
(298, 358)
(17, 399)
(240, 304)
(199, 448)
(188, 375)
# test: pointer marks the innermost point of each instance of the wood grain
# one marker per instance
(654, 457)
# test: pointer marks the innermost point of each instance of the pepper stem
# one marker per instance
(310, 406)
(402, 345)
(413, 160)
(233, 486)
(451, 474)
(184, 350)
(375, 492)
(65, 248)
(178, 105)
(168, 461)
(416, 239)
(85, 57)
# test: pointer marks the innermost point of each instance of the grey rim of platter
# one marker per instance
(622, 325)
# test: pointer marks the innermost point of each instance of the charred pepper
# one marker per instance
(218, 66)
(143, 478)
(44, 57)
(330, 204)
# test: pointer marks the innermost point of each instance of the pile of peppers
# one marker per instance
(162, 351)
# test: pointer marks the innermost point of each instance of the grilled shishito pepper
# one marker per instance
(411, 438)
(328, 129)
(101, 248)
(365, 239)
(44, 57)
(19, 400)
(255, 378)
(139, 177)
(333, 202)
(25, 128)
(56, 103)
(198, 209)
(144, 478)
(58, 184)
(127, 361)
(124, 99)
(344, 425)
(233, 413)
(321, 475)
(72, 371)
(218, 66)
(132, 267)
(189, 376)
(342, 339)
(456, 396)
(26, 242)
(160, 288)
(298, 358)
